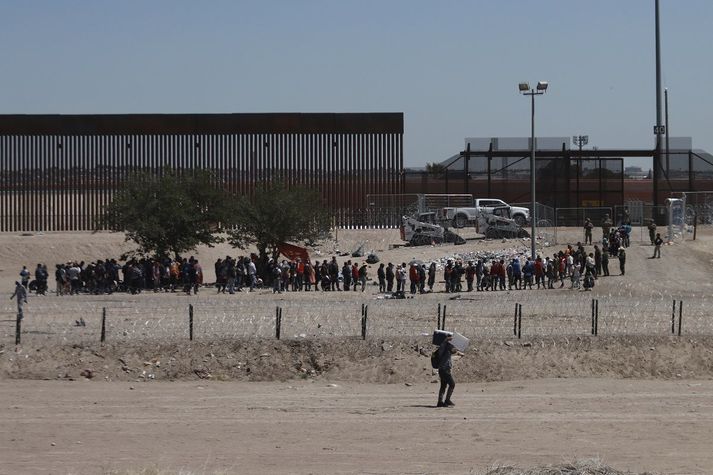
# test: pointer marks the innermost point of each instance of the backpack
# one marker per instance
(435, 360)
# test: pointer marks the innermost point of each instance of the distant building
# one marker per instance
(635, 173)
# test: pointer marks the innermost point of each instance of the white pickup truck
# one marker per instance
(461, 217)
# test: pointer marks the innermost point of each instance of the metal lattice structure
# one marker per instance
(564, 178)
(58, 171)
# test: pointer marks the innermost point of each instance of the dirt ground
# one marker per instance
(341, 427)
(637, 398)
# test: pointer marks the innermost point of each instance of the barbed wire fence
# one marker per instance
(79, 321)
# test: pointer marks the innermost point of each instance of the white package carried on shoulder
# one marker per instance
(460, 342)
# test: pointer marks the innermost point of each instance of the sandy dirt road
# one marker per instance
(317, 427)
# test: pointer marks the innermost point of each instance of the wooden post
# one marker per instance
(592, 316)
(519, 322)
(103, 336)
(366, 317)
(680, 316)
(695, 222)
(190, 322)
(363, 321)
(18, 327)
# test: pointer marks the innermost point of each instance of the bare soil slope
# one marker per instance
(335, 427)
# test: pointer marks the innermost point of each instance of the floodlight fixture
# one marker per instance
(526, 91)
(580, 140)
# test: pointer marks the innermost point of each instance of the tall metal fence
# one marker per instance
(699, 207)
(58, 172)
(576, 216)
(386, 210)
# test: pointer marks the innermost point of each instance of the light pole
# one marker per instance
(580, 141)
(526, 91)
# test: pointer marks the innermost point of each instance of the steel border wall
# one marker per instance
(58, 171)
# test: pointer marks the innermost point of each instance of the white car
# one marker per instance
(519, 214)
(462, 216)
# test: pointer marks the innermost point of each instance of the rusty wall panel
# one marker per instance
(62, 181)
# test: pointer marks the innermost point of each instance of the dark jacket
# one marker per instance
(444, 355)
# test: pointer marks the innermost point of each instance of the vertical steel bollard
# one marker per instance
(190, 322)
(278, 322)
(596, 319)
(673, 318)
(103, 337)
(438, 326)
(680, 316)
(443, 318)
(514, 325)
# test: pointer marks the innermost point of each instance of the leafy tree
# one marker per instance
(171, 212)
(605, 173)
(435, 169)
(277, 214)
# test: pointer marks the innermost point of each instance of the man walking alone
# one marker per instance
(20, 294)
(444, 372)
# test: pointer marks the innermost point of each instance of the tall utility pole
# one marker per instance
(657, 130)
(526, 91)
(665, 95)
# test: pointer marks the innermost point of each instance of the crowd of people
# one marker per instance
(107, 276)
(574, 265)
(240, 274)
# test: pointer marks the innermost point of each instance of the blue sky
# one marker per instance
(451, 67)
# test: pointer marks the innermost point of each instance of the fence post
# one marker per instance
(190, 322)
(596, 319)
(103, 337)
(365, 314)
(519, 322)
(366, 317)
(443, 318)
(673, 318)
(514, 325)
(18, 327)
(680, 316)
(592, 316)
(438, 327)
(695, 222)
(278, 322)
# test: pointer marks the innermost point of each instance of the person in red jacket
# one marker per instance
(355, 275)
(413, 277)
(539, 272)
(503, 274)
(494, 275)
